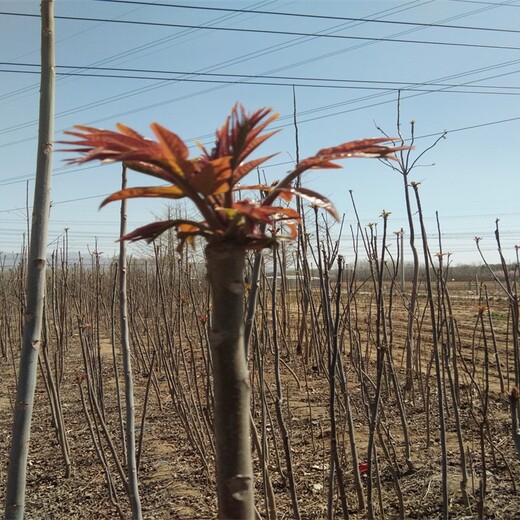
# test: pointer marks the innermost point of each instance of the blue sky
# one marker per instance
(457, 64)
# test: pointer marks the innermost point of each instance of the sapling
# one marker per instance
(36, 280)
(231, 227)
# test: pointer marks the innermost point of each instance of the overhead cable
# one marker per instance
(273, 32)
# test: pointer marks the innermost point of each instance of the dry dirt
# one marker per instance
(175, 485)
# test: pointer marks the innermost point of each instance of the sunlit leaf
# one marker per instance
(210, 179)
(252, 187)
(172, 142)
(188, 231)
(150, 169)
(285, 213)
(265, 214)
(213, 176)
(254, 211)
(167, 192)
(285, 194)
(110, 140)
(291, 225)
(106, 145)
(293, 228)
(128, 131)
(190, 227)
(316, 199)
(240, 135)
(361, 148)
(243, 169)
(149, 232)
(317, 162)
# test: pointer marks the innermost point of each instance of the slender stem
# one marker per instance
(279, 394)
(133, 481)
(436, 358)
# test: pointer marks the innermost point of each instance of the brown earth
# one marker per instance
(175, 484)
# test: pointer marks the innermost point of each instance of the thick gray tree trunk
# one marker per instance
(16, 477)
(231, 383)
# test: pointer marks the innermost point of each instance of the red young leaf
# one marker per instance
(363, 467)
(149, 169)
(361, 148)
(312, 196)
(240, 135)
(172, 142)
(263, 188)
(211, 179)
(243, 169)
(149, 232)
(108, 140)
(168, 192)
(267, 214)
(323, 163)
(128, 131)
(293, 228)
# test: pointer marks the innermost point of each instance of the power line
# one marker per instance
(302, 39)
(434, 134)
(272, 32)
(162, 82)
(65, 170)
(315, 16)
(472, 127)
(297, 41)
(139, 48)
(180, 98)
(248, 56)
(154, 44)
(485, 3)
(406, 7)
(289, 80)
(301, 121)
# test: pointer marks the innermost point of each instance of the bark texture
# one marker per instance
(16, 476)
(131, 460)
(231, 383)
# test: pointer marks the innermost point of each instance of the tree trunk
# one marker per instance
(131, 464)
(16, 477)
(231, 382)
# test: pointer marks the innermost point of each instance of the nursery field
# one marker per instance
(317, 415)
(241, 361)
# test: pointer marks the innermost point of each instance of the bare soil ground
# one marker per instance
(174, 483)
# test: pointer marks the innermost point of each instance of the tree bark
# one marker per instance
(16, 476)
(231, 385)
(131, 464)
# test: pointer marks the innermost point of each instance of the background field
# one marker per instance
(309, 447)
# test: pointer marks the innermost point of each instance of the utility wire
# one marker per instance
(272, 32)
(14, 180)
(283, 80)
(135, 50)
(302, 121)
(484, 3)
(316, 16)
(245, 57)
(99, 103)
(249, 56)
(297, 41)
(113, 98)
